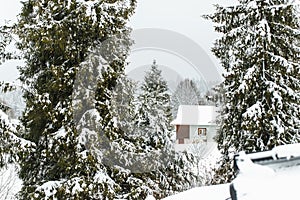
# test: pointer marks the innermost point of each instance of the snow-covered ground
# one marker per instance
(216, 192)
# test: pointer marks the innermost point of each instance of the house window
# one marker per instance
(202, 131)
(180, 141)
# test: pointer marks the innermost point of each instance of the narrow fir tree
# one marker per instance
(173, 171)
(261, 60)
(154, 107)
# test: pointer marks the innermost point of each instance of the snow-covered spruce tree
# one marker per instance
(262, 84)
(154, 108)
(173, 171)
(55, 37)
(186, 93)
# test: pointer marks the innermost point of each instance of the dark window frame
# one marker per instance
(202, 131)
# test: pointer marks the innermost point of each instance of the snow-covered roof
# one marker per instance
(195, 115)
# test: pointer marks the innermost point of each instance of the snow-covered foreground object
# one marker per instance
(216, 192)
(283, 185)
(268, 175)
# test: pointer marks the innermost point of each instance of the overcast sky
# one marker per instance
(180, 16)
(183, 17)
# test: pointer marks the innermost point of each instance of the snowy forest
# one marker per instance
(75, 126)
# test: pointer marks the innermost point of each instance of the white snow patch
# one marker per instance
(291, 150)
(61, 133)
(253, 112)
(49, 188)
(150, 197)
(215, 192)
(252, 5)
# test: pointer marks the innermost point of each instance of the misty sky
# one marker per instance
(183, 17)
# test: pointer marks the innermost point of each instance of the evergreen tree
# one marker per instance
(55, 38)
(214, 96)
(186, 93)
(173, 171)
(154, 108)
(261, 60)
